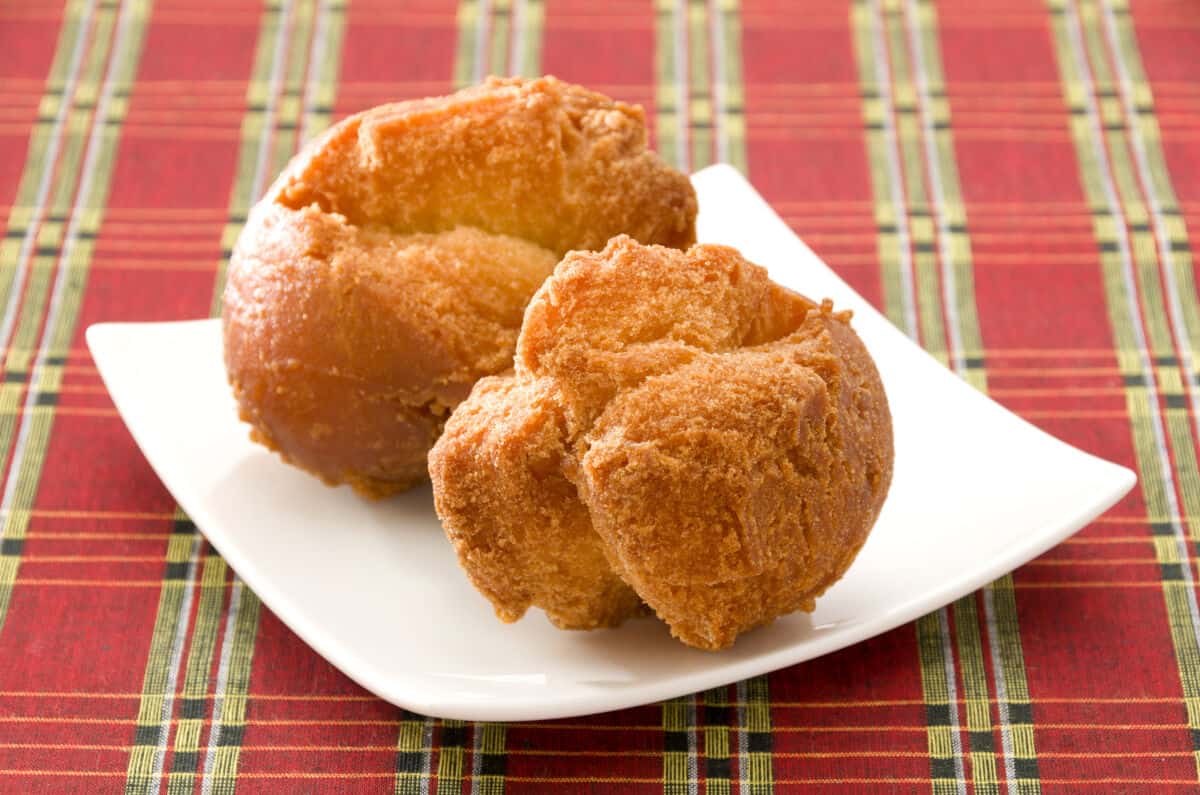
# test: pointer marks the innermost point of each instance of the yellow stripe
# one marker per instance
(945, 751)
(489, 746)
(305, 104)
(758, 766)
(192, 708)
(181, 552)
(679, 759)
(716, 741)
(467, 56)
(889, 241)
(975, 692)
(700, 109)
(732, 121)
(501, 29)
(412, 754)
(667, 96)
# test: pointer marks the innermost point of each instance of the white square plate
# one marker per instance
(375, 588)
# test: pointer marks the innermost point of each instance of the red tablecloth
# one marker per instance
(1043, 157)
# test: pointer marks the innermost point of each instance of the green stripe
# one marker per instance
(18, 359)
(309, 90)
(920, 221)
(1178, 248)
(182, 549)
(954, 234)
(666, 86)
(755, 763)
(500, 29)
(732, 111)
(888, 216)
(51, 234)
(1109, 220)
(897, 183)
(254, 127)
(26, 469)
(288, 110)
(318, 110)
(1167, 230)
(1173, 246)
(1016, 705)
(68, 57)
(192, 708)
(700, 115)
(467, 55)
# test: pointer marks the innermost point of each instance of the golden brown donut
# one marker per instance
(720, 444)
(387, 268)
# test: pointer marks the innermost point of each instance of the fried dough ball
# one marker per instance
(718, 443)
(388, 267)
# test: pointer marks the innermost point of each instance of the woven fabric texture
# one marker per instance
(1015, 183)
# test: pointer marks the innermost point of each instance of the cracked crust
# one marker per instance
(387, 268)
(723, 447)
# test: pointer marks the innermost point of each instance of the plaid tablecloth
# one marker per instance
(1012, 182)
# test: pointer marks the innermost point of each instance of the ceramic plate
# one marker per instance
(375, 588)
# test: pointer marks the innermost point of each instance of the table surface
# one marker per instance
(1043, 158)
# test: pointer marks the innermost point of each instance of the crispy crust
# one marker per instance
(723, 446)
(387, 268)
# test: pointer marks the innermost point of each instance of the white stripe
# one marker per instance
(476, 756)
(692, 764)
(516, 50)
(957, 359)
(426, 755)
(311, 76)
(91, 157)
(679, 37)
(49, 160)
(743, 738)
(1006, 740)
(1174, 305)
(175, 662)
(274, 84)
(683, 125)
(883, 81)
(62, 275)
(1085, 72)
(482, 27)
(214, 734)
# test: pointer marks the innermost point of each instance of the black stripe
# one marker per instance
(185, 761)
(493, 765)
(717, 767)
(981, 741)
(759, 742)
(675, 742)
(231, 735)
